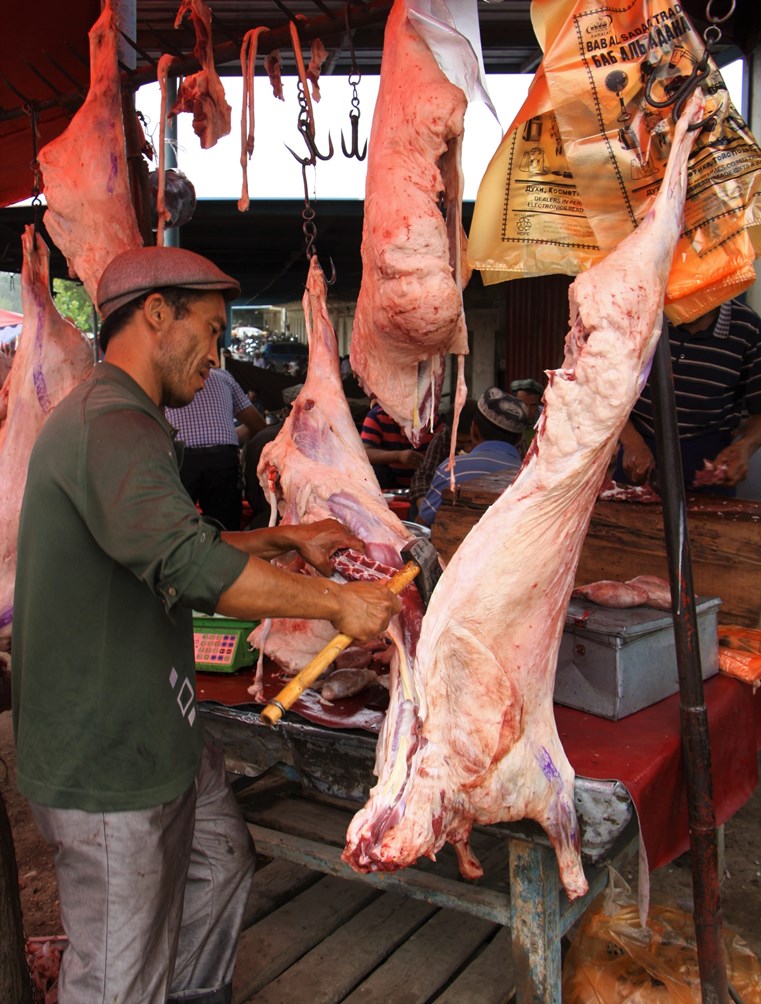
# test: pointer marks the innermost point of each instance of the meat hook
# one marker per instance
(314, 153)
(354, 78)
(354, 152)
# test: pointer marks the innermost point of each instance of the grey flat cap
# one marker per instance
(134, 273)
(503, 410)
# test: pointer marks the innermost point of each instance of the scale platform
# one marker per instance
(221, 644)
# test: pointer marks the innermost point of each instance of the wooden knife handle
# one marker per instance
(317, 666)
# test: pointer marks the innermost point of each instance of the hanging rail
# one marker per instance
(362, 14)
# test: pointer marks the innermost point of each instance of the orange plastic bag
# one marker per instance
(583, 161)
(742, 665)
(613, 959)
(743, 639)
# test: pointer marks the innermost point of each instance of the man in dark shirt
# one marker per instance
(716, 362)
(392, 455)
(153, 859)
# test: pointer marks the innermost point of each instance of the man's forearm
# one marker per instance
(264, 590)
(267, 542)
(379, 457)
(750, 435)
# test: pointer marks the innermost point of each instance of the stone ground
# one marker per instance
(740, 891)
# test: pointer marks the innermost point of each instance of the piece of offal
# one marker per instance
(90, 216)
(474, 739)
(52, 357)
(316, 468)
(202, 93)
(409, 311)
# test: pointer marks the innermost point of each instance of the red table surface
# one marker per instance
(642, 751)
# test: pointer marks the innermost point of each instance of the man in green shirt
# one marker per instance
(153, 859)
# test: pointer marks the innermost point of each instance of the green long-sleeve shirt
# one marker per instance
(112, 557)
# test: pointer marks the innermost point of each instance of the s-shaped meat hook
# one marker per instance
(700, 71)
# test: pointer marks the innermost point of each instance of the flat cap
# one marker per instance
(530, 386)
(135, 273)
(503, 410)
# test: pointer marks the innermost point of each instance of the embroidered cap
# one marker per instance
(503, 410)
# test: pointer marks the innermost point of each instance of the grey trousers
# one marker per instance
(152, 901)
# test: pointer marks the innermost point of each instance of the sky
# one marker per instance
(274, 174)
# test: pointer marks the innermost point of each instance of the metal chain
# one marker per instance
(34, 165)
(355, 77)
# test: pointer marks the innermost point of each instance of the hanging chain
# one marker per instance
(34, 165)
(355, 78)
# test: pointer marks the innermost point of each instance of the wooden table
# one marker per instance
(626, 538)
(289, 779)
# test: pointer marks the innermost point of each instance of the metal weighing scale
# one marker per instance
(221, 643)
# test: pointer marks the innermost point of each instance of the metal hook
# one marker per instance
(700, 72)
(354, 152)
(314, 153)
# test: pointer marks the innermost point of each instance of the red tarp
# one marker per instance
(9, 318)
(642, 751)
(42, 34)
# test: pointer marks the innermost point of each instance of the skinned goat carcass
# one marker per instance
(202, 93)
(409, 311)
(316, 468)
(475, 739)
(90, 216)
(51, 359)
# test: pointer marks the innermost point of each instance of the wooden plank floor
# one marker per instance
(312, 938)
(316, 939)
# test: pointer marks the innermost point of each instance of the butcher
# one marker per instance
(152, 857)
(716, 363)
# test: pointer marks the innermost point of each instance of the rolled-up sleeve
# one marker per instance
(141, 516)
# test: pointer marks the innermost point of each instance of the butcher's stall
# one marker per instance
(301, 781)
(625, 539)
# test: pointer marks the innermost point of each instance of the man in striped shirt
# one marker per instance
(392, 455)
(716, 362)
(210, 468)
(496, 432)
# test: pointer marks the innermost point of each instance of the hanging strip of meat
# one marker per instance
(477, 741)
(316, 468)
(90, 216)
(51, 359)
(202, 93)
(318, 55)
(409, 311)
(272, 65)
(247, 63)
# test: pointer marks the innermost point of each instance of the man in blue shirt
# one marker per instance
(496, 431)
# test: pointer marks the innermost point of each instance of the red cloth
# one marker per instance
(643, 751)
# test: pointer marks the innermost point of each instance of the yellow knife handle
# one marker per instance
(317, 666)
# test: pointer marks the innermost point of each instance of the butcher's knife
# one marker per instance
(424, 554)
(317, 666)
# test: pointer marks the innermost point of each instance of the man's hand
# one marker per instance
(365, 609)
(736, 457)
(315, 542)
(409, 458)
(637, 459)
